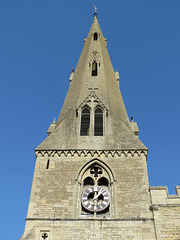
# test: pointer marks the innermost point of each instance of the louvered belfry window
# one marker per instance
(98, 122)
(85, 122)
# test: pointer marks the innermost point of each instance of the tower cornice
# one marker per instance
(91, 153)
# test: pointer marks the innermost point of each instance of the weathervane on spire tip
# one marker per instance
(95, 14)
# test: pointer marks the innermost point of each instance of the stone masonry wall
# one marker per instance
(94, 230)
(54, 190)
(166, 209)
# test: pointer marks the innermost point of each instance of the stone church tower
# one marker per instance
(90, 179)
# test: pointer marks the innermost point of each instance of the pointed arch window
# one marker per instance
(98, 122)
(95, 188)
(94, 68)
(85, 121)
(95, 36)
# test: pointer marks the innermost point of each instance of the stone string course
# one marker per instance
(92, 153)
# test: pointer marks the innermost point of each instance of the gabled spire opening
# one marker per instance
(95, 37)
(94, 68)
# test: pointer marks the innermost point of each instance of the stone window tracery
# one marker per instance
(92, 122)
(95, 196)
(92, 115)
(95, 176)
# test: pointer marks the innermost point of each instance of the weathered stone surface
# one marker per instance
(102, 229)
(166, 213)
(118, 132)
(65, 161)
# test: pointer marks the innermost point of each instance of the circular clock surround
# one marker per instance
(95, 198)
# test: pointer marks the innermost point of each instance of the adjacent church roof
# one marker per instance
(101, 90)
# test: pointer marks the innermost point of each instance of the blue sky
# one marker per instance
(41, 41)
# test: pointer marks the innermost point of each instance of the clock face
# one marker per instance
(95, 199)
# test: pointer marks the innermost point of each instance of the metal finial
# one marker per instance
(95, 14)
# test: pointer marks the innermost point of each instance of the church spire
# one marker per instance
(94, 86)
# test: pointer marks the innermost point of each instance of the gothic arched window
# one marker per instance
(96, 190)
(94, 68)
(85, 121)
(98, 122)
(95, 36)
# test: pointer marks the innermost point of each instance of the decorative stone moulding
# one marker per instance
(92, 153)
(92, 97)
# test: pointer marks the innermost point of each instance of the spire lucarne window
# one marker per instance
(94, 68)
(98, 122)
(85, 121)
(92, 114)
(92, 122)
(95, 36)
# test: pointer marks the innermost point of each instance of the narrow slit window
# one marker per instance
(94, 68)
(85, 122)
(47, 166)
(95, 36)
(98, 122)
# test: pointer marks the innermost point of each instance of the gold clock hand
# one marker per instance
(100, 192)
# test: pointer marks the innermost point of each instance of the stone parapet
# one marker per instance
(166, 212)
(161, 196)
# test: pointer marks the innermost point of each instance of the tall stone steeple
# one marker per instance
(100, 88)
(90, 179)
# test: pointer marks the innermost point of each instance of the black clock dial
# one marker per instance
(95, 199)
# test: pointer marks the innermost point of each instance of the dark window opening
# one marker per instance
(98, 122)
(94, 69)
(103, 182)
(88, 181)
(47, 166)
(95, 36)
(85, 122)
